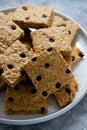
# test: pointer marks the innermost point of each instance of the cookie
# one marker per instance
(54, 36)
(49, 72)
(33, 16)
(65, 95)
(9, 32)
(76, 55)
(10, 15)
(12, 61)
(71, 26)
(24, 99)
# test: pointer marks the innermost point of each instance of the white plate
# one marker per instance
(80, 73)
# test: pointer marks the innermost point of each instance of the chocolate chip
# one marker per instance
(23, 72)
(22, 55)
(67, 90)
(10, 66)
(44, 16)
(1, 71)
(33, 91)
(38, 78)
(49, 49)
(47, 65)
(69, 32)
(24, 8)
(13, 27)
(51, 40)
(34, 59)
(64, 25)
(58, 85)
(81, 55)
(10, 99)
(44, 93)
(68, 71)
(42, 110)
(72, 58)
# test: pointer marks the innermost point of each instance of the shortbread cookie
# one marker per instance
(71, 26)
(54, 36)
(11, 62)
(65, 95)
(24, 98)
(33, 16)
(49, 72)
(9, 32)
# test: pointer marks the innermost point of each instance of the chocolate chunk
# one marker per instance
(51, 40)
(22, 55)
(13, 27)
(68, 71)
(10, 99)
(47, 65)
(67, 90)
(10, 66)
(44, 93)
(38, 78)
(58, 85)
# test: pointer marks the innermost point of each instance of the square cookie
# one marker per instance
(24, 99)
(12, 61)
(33, 16)
(71, 26)
(9, 32)
(49, 72)
(54, 36)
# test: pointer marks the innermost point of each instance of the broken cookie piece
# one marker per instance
(65, 95)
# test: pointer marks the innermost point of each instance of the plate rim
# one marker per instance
(54, 114)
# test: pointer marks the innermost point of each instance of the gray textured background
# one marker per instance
(75, 119)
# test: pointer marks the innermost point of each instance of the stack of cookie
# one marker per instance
(37, 64)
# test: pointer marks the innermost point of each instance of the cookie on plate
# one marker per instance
(65, 95)
(54, 36)
(76, 55)
(49, 72)
(71, 26)
(33, 16)
(9, 32)
(12, 61)
(24, 99)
